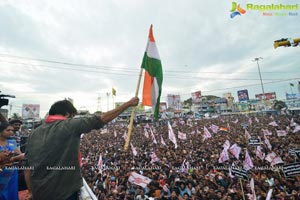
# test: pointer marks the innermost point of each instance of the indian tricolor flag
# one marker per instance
(153, 75)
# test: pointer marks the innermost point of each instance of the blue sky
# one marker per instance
(95, 45)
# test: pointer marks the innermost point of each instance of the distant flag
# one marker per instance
(206, 134)
(226, 145)
(153, 75)
(138, 179)
(146, 133)
(134, 152)
(235, 150)
(100, 162)
(225, 129)
(281, 133)
(247, 135)
(252, 189)
(236, 121)
(154, 158)
(125, 135)
(273, 123)
(223, 156)
(172, 135)
(165, 188)
(256, 120)
(273, 159)
(248, 164)
(269, 195)
(214, 128)
(181, 135)
(115, 133)
(297, 128)
(153, 137)
(267, 142)
(259, 153)
(292, 123)
(266, 132)
(162, 141)
(113, 91)
(250, 121)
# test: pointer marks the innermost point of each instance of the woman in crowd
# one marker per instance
(8, 174)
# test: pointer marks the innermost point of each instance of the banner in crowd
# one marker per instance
(162, 107)
(292, 96)
(243, 95)
(268, 96)
(292, 169)
(174, 102)
(196, 96)
(138, 179)
(30, 111)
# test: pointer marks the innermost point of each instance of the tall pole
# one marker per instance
(107, 94)
(261, 82)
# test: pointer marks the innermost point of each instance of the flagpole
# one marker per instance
(132, 113)
(242, 188)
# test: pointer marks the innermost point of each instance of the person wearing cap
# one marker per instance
(52, 150)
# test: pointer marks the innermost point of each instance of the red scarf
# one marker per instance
(53, 118)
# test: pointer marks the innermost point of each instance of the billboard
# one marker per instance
(196, 96)
(163, 107)
(30, 111)
(174, 102)
(243, 95)
(292, 96)
(268, 96)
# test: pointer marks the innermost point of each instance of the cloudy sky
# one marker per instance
(80, 49)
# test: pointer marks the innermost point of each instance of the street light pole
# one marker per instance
(261, 82)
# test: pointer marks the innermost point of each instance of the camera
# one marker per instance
(3, 99)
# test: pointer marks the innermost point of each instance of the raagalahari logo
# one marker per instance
(270, 9)
(236, 10)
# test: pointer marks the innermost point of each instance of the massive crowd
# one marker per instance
(193, 170)
(200, 165)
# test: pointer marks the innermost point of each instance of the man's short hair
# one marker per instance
(62, 107)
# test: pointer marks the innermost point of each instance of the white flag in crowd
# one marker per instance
(247, 135)
(248, 164)
(214, 128)
(256, 120)
(115, 133)
(223, 156)
(138, 179)
(162, 141)
(153, 137)
(125, 135)
(273, 123)
(181, 135)
(134, 152)
(281, 133)
(273, 159)
(235, 150)
(100, 162)
(154, 157)
(146, 133)
(206, 134)
(267, 142)
(250, 121)
(236, 121)
(172, 135)
(292, 123)
(259, 153)
(226, 145)
(252, 189)
(297, 128)
(269, 195)
(266, 132)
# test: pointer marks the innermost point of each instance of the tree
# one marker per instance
(279, 105)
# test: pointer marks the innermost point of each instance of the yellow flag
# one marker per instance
(113, 91)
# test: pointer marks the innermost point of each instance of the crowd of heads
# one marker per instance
(192, 170)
